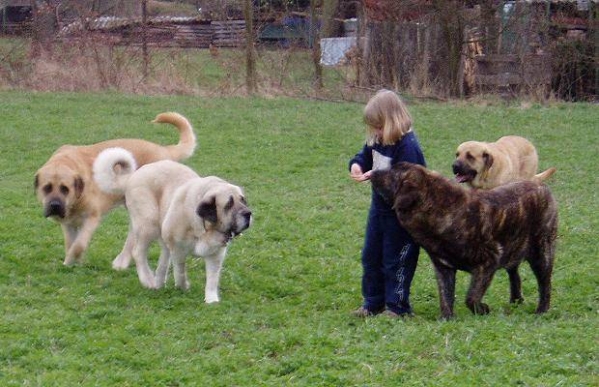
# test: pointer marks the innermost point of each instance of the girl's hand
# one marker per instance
(357, 174)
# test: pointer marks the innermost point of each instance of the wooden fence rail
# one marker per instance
(164, 32)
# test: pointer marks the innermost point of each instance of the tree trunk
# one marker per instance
(452, 25)
(144, 37)
(315, 36)
(329, 7)
(44, 27)
(251, 80)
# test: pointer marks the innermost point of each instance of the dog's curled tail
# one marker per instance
(112, 169)
(540, 177)
(187, 138)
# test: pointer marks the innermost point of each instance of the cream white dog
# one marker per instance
(187, 214)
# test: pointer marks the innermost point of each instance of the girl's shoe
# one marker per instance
(391, 314)
(362, 312)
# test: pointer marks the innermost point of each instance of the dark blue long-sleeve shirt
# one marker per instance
(379, 156)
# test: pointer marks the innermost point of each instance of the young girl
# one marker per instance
(389, 256)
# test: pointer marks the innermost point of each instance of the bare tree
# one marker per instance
(144, 36)
(44, 26)
(450, 16)
(329, 8)
(315, 36)
(251, 80)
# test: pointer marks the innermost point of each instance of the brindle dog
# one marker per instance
(477, 231)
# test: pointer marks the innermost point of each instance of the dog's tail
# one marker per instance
(112, 169)
(540, 177)
(187, 138)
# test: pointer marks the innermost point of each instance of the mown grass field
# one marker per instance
(290, 282)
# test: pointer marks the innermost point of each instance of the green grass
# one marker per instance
(290, 282)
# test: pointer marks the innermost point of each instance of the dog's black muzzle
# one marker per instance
(247, 217)
(458, 168)
(55, 207)
(244, 224)
(462, 172)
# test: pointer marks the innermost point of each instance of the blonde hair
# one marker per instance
(388, 112)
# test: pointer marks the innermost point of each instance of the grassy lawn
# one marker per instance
(290, 282)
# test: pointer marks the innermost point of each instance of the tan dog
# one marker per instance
(66, 188)
(169, 202)
(490, 164)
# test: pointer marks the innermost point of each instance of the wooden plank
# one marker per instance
(504, 79)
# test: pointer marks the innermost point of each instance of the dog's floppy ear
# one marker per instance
(207, 210)
(79, 185)
(409, 190)
(488, 159)
(36, 182)
(403, 202)
(230, 204)
(383, 184)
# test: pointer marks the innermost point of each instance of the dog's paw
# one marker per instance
(160, 283)
(182, 284)
(74, 255)
(542, 309)
(446, 317)
(121, 263)
(481, 308)
(69, 262)
(147, 282)
(211, 296)
(119, 267)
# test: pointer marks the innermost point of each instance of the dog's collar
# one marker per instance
(231, 235)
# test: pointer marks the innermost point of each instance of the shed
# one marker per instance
(14, 15)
